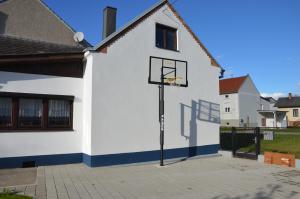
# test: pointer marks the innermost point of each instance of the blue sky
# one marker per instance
(257, 37)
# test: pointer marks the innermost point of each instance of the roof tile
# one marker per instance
(231, 85)
(12, 45)
(285, 102)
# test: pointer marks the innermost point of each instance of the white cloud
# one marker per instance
(220, 56)
(274, 95)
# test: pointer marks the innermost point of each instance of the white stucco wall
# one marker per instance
(232, 101)
(125, 106)
(87, 104)
(15, 144)
(249, 103)
(264, 104)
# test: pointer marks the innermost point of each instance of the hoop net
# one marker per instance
(173, 81)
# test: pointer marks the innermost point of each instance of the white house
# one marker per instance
(108, 114)
(242, 105)
(240, 101)
(271, 116)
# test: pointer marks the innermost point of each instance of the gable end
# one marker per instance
(102, 47)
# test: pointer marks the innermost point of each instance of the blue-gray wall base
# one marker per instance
(41, 160)
(110, 159)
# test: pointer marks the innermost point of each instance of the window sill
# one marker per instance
(168, 49)
(35, 130)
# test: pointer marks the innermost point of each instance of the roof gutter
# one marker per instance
(61, 57)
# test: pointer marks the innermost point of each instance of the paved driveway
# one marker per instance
(214, 178)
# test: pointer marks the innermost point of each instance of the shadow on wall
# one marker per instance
(6, 77)
(202, 111)
(3, 18)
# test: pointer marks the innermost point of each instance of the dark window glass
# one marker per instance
(5, 112)
(171, 37)
(295, 113)
(166, 37)
(35, 112)
(159, 37)
(59, 113)
(30, 113)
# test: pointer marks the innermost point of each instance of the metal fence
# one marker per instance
(243, 142)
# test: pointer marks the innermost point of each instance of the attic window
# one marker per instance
(166, 37)
(295, 113)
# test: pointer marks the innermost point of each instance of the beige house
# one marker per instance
(291, 105)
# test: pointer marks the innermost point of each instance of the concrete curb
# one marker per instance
(227, 154)
(260, 159)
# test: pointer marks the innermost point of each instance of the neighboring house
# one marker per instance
(290, 105)
(41, 71)
(271, 116)
(242, 105)
(107, 113)
(240, 101)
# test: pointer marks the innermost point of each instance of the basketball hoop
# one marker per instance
(166, 72)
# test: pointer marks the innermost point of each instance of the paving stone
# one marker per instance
(213, 178)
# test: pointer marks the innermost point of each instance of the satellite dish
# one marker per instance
(78, 37)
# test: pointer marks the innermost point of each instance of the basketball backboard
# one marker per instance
(170, 72)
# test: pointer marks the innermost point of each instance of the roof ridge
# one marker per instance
(244, 76)
(231, 85)
(288, 97)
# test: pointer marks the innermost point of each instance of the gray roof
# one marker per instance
(33, 19)
(11, 45)
(269, 99)
(285, 102)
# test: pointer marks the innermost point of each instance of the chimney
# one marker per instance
(109, 21)
(290, 96)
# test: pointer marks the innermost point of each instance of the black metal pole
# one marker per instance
(162, 123)
(257, 143)
(233, 141)
(162, 116)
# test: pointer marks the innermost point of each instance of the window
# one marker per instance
(166, 37)
(227, 110)
(295, 113)
(30, 113)
(35, 112)
(59, 113)
(5, 112)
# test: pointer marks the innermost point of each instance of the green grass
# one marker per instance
(289, 130)
(11, 195)
(289, 144)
